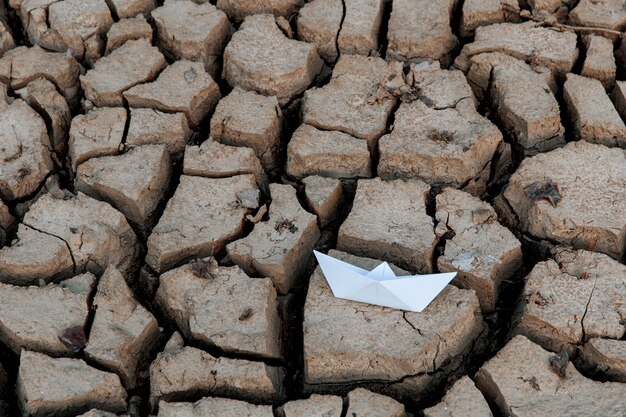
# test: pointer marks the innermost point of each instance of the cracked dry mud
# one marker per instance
(168, 166)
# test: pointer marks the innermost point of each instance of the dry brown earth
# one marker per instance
(167, 168)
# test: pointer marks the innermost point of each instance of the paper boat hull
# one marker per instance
(412, 293)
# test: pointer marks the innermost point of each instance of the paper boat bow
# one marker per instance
(381, 286)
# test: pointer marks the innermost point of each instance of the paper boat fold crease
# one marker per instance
(381, 286)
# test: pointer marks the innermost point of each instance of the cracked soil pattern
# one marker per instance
(167, 168)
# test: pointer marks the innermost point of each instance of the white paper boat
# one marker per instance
(381, 286)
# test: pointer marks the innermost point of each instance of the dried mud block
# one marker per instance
(251, 63)
(314, 406)
(364, 403)
(481, 65)
(69, 25)
(97, 133)
(610, 14)
(599, 60)
(44, 98)
(482, 251)
(55, 386)
(323, 23)
(526, 106)
(324, 196)
(420, 29)
(6, 37)
(527, 41)
(605, 357)
(279, 247)
(441, 138)
(183, 372)
(186, 30)
(34, 256)
(128, 8)
(96, 234)
(360, 29)
(153, 127)
(214, 160)
(223, 307)
(592, 113)
(577, 295)
(126, 30)
(546, 8)
(52, 185)
(557, 196)
(327, 153)
(346, 342)
(245, 118)
(389, 221)
(24, 151)
(319, 22)
(7, 223)
(49, 319)
(203, 215)
(223, 407)
(21, 65)
(351, 102)
(436, 87)
(4, 96)
(133, 182)
(123, 331)
(184, 87)
(462, 400)
(483, 13)
(525, 380)
(133, 63)
(239, 9)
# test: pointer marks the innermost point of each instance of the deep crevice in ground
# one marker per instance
(292, 311)
(343, 17)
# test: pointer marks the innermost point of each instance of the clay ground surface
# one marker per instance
(167, 168)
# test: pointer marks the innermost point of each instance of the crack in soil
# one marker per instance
(343, 17)
(582, 320)
(411, 324)
(74, 270)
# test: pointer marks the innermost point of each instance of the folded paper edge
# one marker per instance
(331, 263)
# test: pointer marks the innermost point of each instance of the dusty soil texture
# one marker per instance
(167, 168)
